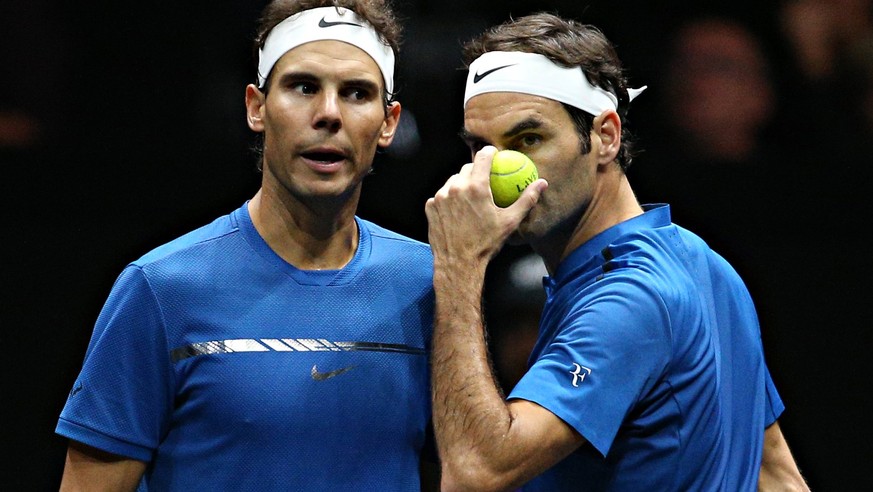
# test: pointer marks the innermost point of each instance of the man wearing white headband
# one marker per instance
(648, 372)
(282, 346)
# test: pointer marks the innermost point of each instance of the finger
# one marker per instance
(466, 170)
(528, 199)
(482, 163)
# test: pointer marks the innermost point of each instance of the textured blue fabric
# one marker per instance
(650, 348)
(226, 368)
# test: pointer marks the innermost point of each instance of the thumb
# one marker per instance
(528, 199)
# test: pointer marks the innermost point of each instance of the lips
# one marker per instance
(326, 157)
(324, 160)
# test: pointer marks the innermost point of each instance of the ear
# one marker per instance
(255, 105)
(607, 130)
(389, 126)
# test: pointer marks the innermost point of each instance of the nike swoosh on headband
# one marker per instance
(312, 25)
(537, 75)
(479, 76)
(325, 23)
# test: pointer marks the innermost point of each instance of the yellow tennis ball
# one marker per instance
(511, 173)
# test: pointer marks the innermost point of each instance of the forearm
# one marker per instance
(471, 416)
(481, 439)
(779, 471)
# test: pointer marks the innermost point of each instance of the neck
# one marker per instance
(308, 237)
(613, 202)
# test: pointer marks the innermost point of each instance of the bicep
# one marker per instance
(88, 468)
(545, 438)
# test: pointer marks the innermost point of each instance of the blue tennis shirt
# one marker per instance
(226, 368)
(650, 348)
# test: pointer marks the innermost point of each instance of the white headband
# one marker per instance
(322, 24)
(535, 74)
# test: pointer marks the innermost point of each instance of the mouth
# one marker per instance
(324, 160)
(324, 157)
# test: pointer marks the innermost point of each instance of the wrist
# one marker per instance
(456, 273)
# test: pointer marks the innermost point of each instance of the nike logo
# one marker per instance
(325, 23)
(480, 76)
(321, 376)
(76, 389)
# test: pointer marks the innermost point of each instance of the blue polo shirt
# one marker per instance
(650, 348)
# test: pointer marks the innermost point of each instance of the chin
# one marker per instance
(527, 232)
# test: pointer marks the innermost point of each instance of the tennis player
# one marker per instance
(284, 345)
(648, 372)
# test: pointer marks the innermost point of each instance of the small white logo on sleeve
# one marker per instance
(579, 373)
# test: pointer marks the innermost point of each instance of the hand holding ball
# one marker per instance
(511, 173)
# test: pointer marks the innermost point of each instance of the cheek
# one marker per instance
(367, 127)
(570, 184)
(278, 123)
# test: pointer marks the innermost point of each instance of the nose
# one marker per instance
(328, 115)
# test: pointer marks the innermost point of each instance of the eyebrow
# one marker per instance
(524, 125)
(296, 76)
(362, 83)
(528, 124)
(300, 76)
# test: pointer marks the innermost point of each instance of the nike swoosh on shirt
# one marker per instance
(326, 23)
(76, 389)
(479, 76)
(321, 376)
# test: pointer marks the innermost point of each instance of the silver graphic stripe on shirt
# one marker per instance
(286, 345)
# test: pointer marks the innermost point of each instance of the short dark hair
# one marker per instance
(570, 44)
(378, 13)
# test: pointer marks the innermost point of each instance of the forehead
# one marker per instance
(493, 114)
(329, 58)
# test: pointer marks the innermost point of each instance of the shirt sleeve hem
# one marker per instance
(602, 445)
(93, 438)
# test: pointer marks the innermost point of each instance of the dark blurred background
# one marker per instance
(122, 126)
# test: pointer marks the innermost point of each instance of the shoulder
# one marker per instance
(632, 284)
(713, 265)
(378, 232)
(394, 255)
(386, 240)
(194, 257)
(192, 243)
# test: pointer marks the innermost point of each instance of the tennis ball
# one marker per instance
(511, 173)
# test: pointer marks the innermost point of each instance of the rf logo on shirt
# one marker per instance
(579, 373)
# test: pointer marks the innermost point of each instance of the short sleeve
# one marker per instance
(775, 407)
(606, 352)
(122, 399)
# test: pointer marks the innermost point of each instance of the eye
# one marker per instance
(529, 140)
(358, 94)
(305, 87)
